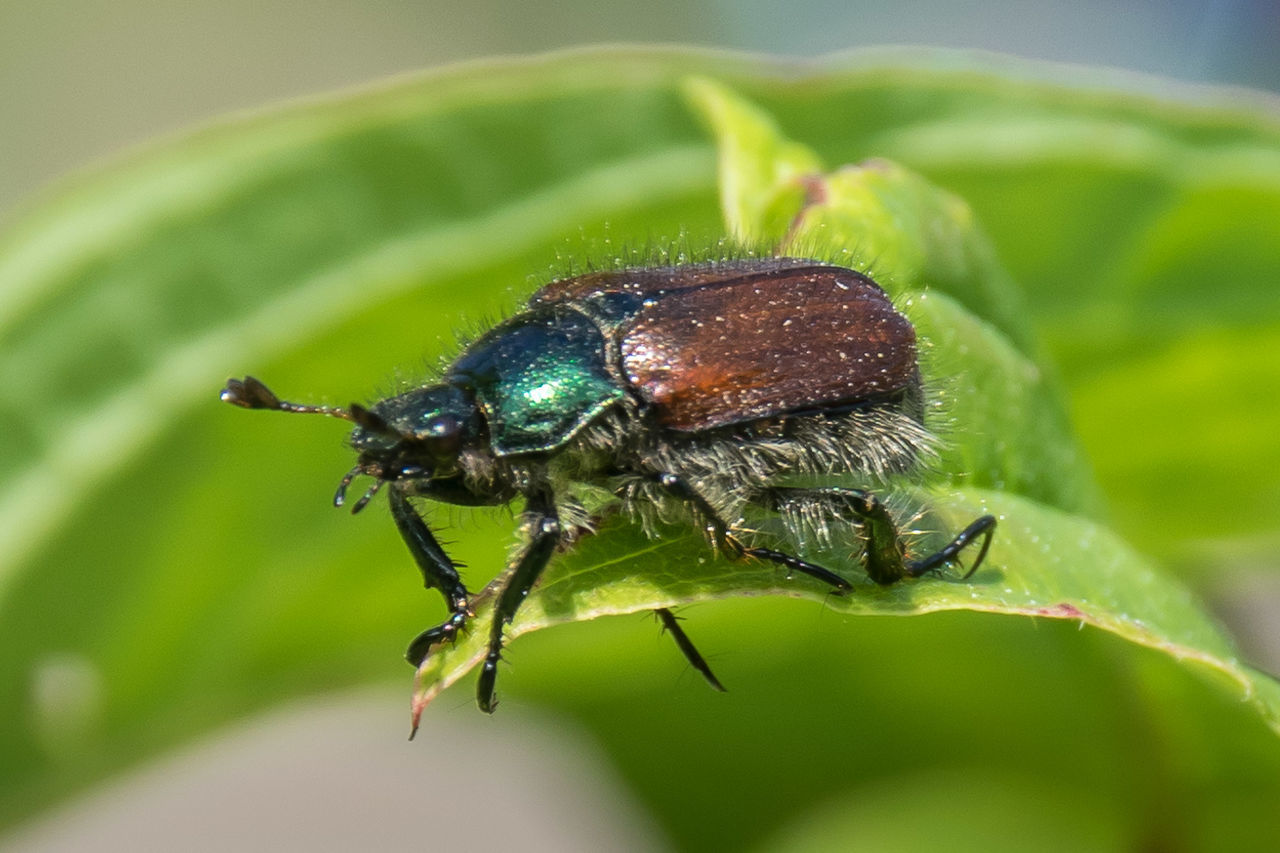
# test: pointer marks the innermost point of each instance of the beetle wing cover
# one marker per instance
(752, 345)
(658, 280)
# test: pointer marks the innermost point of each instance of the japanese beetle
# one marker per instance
(706, 386)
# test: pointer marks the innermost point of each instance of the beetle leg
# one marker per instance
(671, 624)
(813, 570)
(544, 535)
(885, 553)
(677, 487)
(438, 572)
(984, 526)
(886, 560)
(728, 543)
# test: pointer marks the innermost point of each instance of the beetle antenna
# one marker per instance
(371, 422)
(250, 393)
(367, 496)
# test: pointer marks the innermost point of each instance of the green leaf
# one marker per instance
(762, 174)
(1008, 433)
(1044, 563)
(169, 563)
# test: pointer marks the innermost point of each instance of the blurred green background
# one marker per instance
(79, 82)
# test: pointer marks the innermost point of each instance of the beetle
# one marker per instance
(701, 388)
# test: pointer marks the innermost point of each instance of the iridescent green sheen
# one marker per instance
(538, 377)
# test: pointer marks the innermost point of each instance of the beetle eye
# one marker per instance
(442, 436)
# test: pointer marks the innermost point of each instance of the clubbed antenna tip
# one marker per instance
(249, 393)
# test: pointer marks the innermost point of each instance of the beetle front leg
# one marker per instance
(544, 535)
(438, 572)
(886, 560)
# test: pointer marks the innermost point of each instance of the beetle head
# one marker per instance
(417, 435)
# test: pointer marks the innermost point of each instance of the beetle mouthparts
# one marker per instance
(367, 496)
(340, 496)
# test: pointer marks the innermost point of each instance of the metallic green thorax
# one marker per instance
(539, 378)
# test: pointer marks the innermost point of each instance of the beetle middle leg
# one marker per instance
(724, 539)
(438, 572)
(545, 534)
(671, 624)
(886, 560)
(677, 487)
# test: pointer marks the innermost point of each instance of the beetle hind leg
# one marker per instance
(884, 552)
(984, 527)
